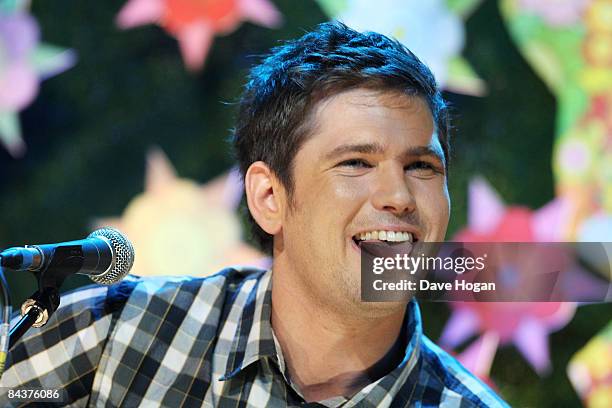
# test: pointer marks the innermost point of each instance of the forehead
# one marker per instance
(390, 119)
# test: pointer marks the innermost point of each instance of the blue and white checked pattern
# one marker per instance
(207, 342)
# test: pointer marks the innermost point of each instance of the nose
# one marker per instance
(392, 192)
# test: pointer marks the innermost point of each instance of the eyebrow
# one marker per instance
(366, 148)
(376, 148)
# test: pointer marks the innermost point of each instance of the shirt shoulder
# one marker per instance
(447, 383)
(181, 291)
(85, 308)
(166, 335)
(184, 301)
(67, 351)
(64, 353)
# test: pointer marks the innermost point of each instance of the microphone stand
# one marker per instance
(37, 309)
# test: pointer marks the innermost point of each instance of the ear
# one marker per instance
(263, 192)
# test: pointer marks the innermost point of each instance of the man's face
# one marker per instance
(373, 163)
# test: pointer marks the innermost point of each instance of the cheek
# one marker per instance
(349, 195)
(350, 189)
(324, 210)
(433, 203)
(333, 199)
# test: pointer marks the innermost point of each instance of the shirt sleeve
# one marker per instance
(64, 354)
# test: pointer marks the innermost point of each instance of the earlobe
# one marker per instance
(262, 197)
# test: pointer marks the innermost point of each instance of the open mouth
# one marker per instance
(385, 237)
(384, 243)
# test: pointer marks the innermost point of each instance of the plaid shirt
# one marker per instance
(204, 342)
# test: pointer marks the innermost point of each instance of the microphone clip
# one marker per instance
(57, 265)
(35, 311)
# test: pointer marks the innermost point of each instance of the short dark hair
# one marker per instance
(281, 92)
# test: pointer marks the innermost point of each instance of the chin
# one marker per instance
(349, 301)
(380, 309)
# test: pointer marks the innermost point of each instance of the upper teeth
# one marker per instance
(392, 236)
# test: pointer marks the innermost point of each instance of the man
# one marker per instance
(342, 137)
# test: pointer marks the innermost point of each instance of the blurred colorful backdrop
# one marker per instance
(118, 113)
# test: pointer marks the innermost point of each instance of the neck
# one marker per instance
(328, 354)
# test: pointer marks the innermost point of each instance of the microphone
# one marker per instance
(106, 256)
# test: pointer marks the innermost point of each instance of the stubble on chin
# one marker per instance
(347, 299)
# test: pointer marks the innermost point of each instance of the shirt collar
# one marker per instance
(254, 338)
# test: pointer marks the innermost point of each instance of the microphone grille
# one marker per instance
(123, 256)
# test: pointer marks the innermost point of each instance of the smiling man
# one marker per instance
(342, 138)
(373, 165)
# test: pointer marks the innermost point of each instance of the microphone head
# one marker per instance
(123, 255)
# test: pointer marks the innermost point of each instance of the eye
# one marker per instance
(423, 167)
(420, 165)
(355, 163)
